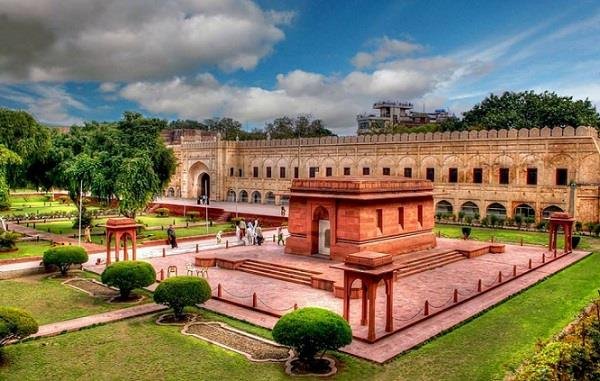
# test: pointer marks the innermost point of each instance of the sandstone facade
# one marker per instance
(532, 172)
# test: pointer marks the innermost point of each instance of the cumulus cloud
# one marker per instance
(114, 40)
(386, 48)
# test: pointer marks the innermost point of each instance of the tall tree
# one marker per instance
(7, 157)
(136, 185)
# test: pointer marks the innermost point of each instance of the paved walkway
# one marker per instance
(23, 229)
(54, 329)
(240, 207)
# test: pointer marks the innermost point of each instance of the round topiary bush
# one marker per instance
(163, 212)
(128, 275)
(181, 291)
(15, 324)
(8, 241)
(65, 256)
(311, 330)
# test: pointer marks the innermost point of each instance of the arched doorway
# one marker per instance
(171, 192)
(231, 195)
(204, 185)
(469, 208)
(270, 198)
(549, 210)
(243, 196)
(496, 209)
(321, 231)
(443, 207)
(525, 210)
(256, 197)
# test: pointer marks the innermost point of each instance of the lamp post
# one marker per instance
(80, 207)
(206, 202)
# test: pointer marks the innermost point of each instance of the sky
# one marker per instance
(69, 61)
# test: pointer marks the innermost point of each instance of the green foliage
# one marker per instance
(162, 212)
(15, 324)
(575, 241)
(65, 256)
(310, 330)
(466, 231)
(182, 291)
(557, 361)
(7, 158)
(86, 219)
(129, 275)
(137, 184)
(193, 215)
(301, 126)
(8, 240)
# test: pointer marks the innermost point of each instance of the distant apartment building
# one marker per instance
(392, 113)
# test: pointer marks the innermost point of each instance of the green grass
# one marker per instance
(507, 236)
(50, 301)
(27, 249)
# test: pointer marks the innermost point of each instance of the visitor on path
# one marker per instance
(282, 211)
(259, 235)
(250, 233)
(237, 231)
(219, 237)
(171, 237)
(242, 228)
(280, 236)
(87, 233)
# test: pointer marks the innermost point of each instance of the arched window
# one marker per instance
(231, 195)
(443, 207)
(171, 192)
(549, 210)
(469, 208)
(497, 209)
(270, 198)
(525, 210)
(256, 197)
(243, 196)
(284, 200)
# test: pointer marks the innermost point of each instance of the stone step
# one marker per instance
(274, 271)
(280, 266)
(419, 257)
(274, 276)
(430, 259)
(430, 265)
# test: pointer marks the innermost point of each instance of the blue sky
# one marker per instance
(67, 61)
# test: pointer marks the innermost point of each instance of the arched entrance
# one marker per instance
(243, 196)
(204, 185)
(321, 231)
(231, 196)
(256, 197)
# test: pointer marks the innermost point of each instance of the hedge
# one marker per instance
(15, 324)
(182, 291)
(129, 275)
(65, 256)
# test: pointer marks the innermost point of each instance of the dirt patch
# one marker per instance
(92, 288)
(253, 347)
(169, 319)
(323, 367)
(132, 298)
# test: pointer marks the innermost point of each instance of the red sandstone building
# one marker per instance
(338, 216)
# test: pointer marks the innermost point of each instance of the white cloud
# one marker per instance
(108, 87)
(386, 48)
(113, 40)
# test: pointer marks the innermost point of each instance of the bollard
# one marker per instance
(529, 264)
(254, 299)
(426, 308)
(164, 253)
(455, 295)
(173, 222)
(554, 253)
(227, 244)
(515, 270)
(37, 238)
(162, 274)
(296, 307)
(187, 224)
(27, 224)
(439, 234)
(273, 237)
(219, 291)
(479, 285)
(34, 225)
(521, 241)
(197, 248)
(543, 257)
(101, 241)
(499, 276)
(162, 227)
(492, 239)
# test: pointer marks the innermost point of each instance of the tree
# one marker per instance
(301, 126)
(15, 324)
(7, 157)
(136, 185)
(182, 291)
(129, 275)
(311, 330)
(65, 256)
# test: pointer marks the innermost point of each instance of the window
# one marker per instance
(562, 175)
(231, 172)
(366, 171)
(453, 175)
(430, 174)
(240, 172)
(401, 217)
(380, 220)
(531, 176)
(312, 171)
(346, 171)
(477, 175)
(255, 172)
(328, 171)
(268, 172)
(503, 177)
(420, 215)
(282, 172)
(408, 172)
(296, 173)
(386, 171)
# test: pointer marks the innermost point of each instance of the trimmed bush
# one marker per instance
(311, 330)
(8, 240)
(129, 275)
(466, 231)
(15, 324)
(65, 256)
(575, 241)
(163, 212)
(182, 291)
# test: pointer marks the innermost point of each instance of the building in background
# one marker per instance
(396, 113)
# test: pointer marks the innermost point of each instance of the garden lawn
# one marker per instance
(27, 249)
(50, 301)
(508, 235)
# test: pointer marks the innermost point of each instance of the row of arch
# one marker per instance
(471, 209)
(254, 198)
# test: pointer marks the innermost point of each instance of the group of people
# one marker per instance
(250, 231)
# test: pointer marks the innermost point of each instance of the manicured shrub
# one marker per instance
(15, 324)
(597, 230)
(182, 291)
(311, 330)
(575, 241)
(128, 275)
(8, 240)
(163, 212)
(466, 231)
(65, 256)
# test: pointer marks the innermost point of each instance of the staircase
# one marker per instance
(418, 263)
(277, 271)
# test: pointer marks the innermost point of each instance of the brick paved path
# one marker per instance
(23, 229)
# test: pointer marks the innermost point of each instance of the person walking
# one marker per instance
(172, 238)
(250, 233)
(242, 229)
(259, 235)
(87, 233)
(280, 236)
(282, 211)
